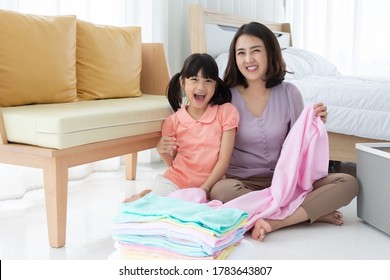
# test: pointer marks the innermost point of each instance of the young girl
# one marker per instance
(197, 140)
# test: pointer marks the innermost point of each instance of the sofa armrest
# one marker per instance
(3, 135)
(155, 71)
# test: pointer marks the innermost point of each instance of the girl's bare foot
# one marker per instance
(261, 228)
(332, 218)
(137, 196)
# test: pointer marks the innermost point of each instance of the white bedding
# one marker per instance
(356, 105)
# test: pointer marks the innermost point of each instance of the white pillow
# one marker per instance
(299, 61)
(304, 63)
(222, 60)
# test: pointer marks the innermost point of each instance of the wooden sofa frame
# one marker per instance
(56, 162)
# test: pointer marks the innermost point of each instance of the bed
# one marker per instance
(358, 107)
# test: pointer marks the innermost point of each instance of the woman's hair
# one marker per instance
(276, 65)
(192, 65)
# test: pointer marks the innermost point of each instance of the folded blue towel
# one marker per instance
(153, 207)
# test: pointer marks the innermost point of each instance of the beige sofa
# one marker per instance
(72, 92)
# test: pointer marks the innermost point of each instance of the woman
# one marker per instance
(268, 108)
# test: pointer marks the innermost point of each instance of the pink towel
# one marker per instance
(304, 159)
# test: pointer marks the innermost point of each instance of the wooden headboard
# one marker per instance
(211, 32)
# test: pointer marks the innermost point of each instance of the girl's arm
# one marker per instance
(225, 152)
(167, 146)
(167, 149)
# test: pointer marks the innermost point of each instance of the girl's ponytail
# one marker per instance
(174, 92)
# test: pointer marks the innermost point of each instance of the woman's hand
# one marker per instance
(321, 111)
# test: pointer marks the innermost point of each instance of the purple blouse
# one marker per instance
(259, 140)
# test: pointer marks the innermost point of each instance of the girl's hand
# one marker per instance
(321, 111)
(166, 145)
(206, 190)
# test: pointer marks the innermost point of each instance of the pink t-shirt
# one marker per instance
(198, 143)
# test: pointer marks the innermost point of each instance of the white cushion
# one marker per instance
(65, 125)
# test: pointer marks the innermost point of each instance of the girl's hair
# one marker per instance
(276, 65)
(192, 65)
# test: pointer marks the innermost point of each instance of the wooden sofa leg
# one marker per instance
(55, 175)
(131, 166)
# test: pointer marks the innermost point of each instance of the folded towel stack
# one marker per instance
(170, 228)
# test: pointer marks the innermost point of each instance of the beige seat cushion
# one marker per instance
(37, 59)
(109, 61)
(66, 125)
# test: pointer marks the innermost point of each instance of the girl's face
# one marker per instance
(198, 90)
(251, 57)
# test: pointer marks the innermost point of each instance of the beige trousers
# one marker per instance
(329, 193)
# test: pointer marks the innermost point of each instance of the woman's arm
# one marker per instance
(225, 152)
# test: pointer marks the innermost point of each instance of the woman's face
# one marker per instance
(251, 57)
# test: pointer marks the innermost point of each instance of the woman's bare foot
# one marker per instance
(332, 218)
(261, 228)
(137, 196)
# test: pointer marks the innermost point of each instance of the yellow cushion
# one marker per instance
(109, 61)
(37, 59)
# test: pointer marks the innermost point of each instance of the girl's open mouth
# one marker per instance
(199, 97)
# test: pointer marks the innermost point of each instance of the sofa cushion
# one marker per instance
(37, 59)
(65, 125)
(109, 61)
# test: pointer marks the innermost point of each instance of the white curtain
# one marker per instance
(350, 33)
(150, 14)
